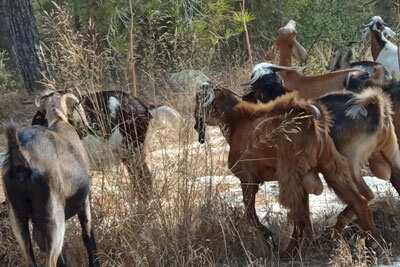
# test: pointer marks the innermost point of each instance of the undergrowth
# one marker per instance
(186, 222)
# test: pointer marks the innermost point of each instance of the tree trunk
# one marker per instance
(387, 10)
(25, 46)
(5, 43)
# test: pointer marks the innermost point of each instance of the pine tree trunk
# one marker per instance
(5, 43)
(25, 46)
(386, 9)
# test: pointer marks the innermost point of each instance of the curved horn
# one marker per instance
(316, 112)
(65, 104)
(70, 103)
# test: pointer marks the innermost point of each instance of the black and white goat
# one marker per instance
(46, 180)
(115, 114)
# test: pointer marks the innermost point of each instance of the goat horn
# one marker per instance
(316, 111)
(64, 105)
(79, 108)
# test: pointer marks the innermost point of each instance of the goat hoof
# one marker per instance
(268, 236)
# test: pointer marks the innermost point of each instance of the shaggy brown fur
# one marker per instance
(265, 139)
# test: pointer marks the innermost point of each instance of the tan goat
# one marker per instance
(288, 46)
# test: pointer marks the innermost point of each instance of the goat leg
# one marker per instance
(356, 202)
(85, 220)
(348, 215)
(20, 228)
(302, 227)
(61, 261)
(54, 232)
(140, 175)
(249, 191)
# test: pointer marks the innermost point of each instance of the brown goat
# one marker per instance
(288, 45)
(318, 85)
(286, 140)
(312, 86)
(370, 135)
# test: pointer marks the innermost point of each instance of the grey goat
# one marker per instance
(46, 179)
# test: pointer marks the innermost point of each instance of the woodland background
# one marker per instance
(138, 41)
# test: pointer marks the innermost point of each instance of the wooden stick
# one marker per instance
(246, 33)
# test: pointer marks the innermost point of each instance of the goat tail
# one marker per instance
(373, 105)
(15, 155)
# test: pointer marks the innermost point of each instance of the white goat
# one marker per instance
(383, 50)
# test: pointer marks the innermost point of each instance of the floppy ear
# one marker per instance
(299, 52)
(61, 115)
(44, 94)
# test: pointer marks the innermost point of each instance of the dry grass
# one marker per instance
(186, 222)
(191, 223)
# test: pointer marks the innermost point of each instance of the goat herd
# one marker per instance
(332, 124)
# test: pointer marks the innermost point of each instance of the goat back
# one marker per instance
(357, 116)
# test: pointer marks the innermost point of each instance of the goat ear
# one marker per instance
(38, 101)
(43, 95)
(299, 52)
(61, 115)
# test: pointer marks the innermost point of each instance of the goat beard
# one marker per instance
(201, 130)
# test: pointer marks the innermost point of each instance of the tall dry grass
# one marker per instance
(186, 221)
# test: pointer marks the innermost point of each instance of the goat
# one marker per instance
(315, 86)
(115, 112)
(378, 164)
(46, 180)
(340, 59)
(341, 55)
(285, 140)
(308, 86)
(368, 135)
(288, 45)
(383, 50)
